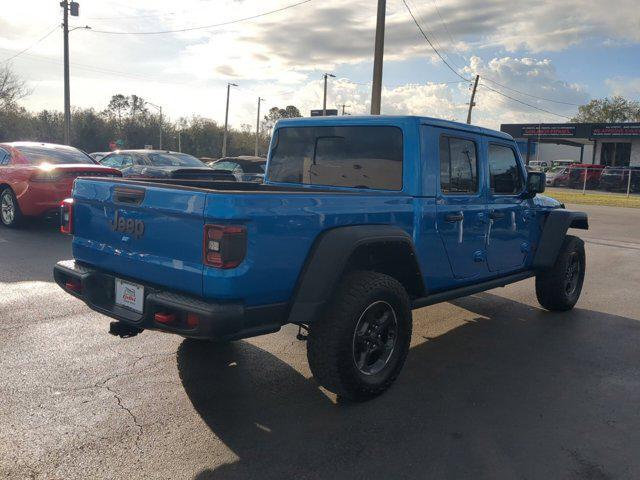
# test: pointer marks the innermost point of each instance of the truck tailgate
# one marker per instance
(150, 233)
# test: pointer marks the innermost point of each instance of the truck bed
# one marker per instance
(282, 223)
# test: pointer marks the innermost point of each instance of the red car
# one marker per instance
(36, 177)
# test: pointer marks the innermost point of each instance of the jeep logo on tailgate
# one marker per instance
(127, 225)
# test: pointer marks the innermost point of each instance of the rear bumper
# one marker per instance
(43, 198)
(227, 321)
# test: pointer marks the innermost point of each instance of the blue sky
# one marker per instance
(570, 51)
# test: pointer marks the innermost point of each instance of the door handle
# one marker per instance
(454, 217)
(496, 215)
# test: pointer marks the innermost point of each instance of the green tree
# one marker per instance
(608, 110)
(276, 113)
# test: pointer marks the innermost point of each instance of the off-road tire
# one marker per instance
(558, 289)
(331, 345)
(17, 214)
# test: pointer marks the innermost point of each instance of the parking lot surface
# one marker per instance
(494, 386)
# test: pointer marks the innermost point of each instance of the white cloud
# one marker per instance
(187, 72)
(626, 86)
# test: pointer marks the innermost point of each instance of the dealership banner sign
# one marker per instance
(611, 130)
(547, 130)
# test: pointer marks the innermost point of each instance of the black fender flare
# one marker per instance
(326, 263)
(554, 231)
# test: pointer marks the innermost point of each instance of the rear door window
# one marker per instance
(505, 177)
(458, 166)
(349, 156)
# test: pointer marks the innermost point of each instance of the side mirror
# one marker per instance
(536, 182)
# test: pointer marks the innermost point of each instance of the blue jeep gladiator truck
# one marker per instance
(359, 221)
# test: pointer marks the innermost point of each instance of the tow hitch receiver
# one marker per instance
(122, 330)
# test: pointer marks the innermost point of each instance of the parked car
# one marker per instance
(539, 165)
(97, 156)
(162, 164)
(578, 172)
(617, 178)
(244, 168)
(562, 163)
(557, 177)
(36, 177)
(359, 221)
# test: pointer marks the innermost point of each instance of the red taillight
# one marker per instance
(66, 216)
(225, 246)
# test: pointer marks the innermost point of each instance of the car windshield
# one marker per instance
(557, 169)
(38, 155)
(174, 160)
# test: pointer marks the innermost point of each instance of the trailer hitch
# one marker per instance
(122, 330)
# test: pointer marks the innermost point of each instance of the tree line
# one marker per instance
(128, 121)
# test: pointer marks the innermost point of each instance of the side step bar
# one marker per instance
(470, 289)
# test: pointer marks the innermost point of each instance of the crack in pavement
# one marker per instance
(138, 425)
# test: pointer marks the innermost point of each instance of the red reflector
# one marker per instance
(165, 317)
(192, 320)
(73, 285)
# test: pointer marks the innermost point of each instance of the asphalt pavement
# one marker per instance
(494, 387)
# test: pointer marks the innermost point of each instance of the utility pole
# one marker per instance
(160, 121)
(180, 141)
(258, 125)
(324, 101)
(226, 121)
(472, 103)
(343, 107)
(376, 87)
(72, 8)
(67, 95)
(159, 108)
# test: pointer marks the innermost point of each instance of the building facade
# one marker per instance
(612, 144)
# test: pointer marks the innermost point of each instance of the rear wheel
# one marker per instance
(559, 288)
(359, 346)
(10, 214)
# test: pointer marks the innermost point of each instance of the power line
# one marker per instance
(444, 24)
(524, 103)
(433, 35)
(431, 44)
(466, 79)
(531, 95)
(205, 27)
(489, 79)
(49, 32)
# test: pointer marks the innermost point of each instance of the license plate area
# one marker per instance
(129, 295)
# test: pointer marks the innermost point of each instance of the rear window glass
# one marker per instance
(174, 160)
(37, 155)
(358, 157)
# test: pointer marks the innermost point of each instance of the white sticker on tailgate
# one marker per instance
(130, 295)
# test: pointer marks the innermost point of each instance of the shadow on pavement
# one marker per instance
(516, 393)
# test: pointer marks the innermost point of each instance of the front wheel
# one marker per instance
(359, 346)
(559, 288)
(10, 214)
